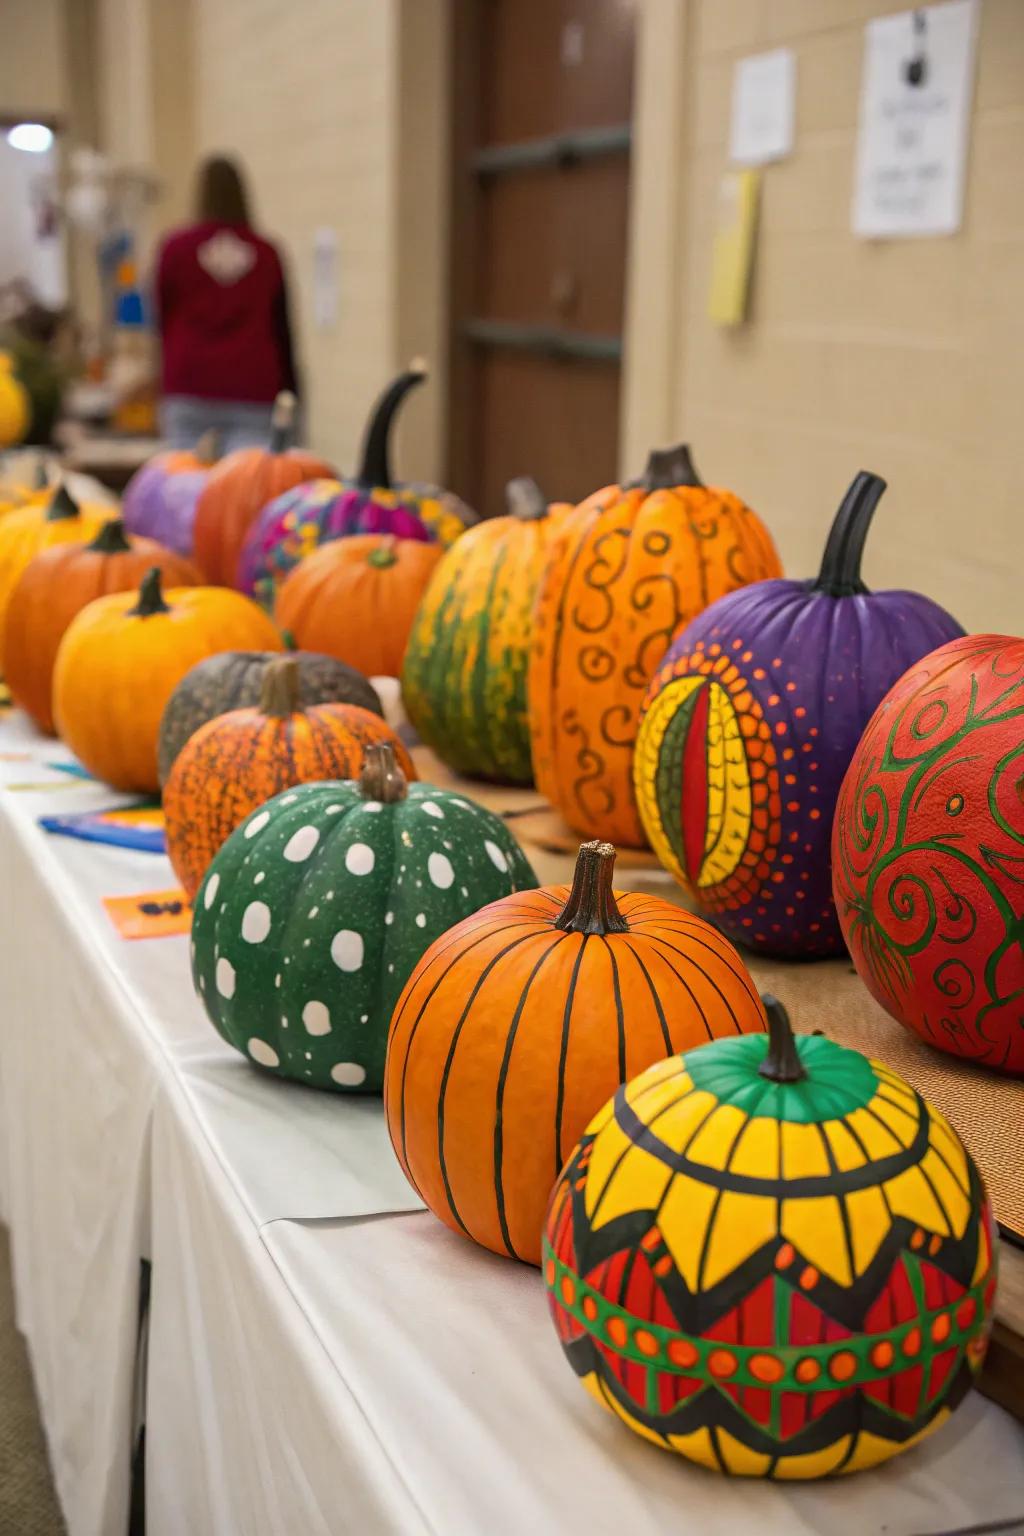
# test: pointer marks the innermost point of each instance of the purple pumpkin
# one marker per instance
(297, 522)
(749, 726)
(160, 498)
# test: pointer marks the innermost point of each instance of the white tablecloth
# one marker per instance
(324, 1357)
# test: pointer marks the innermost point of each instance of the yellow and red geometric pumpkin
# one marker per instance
(773, 1257)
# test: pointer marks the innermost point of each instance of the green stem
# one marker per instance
(62, 505)
(111, 539)
(151, 597)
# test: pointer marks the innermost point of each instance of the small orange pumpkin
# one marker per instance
(633, 567)
(122, 657)
(27, 531)
(59, 583)
(237, 761)
(356, 599)
(240, 486)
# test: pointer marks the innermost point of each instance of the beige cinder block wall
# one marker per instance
(905, 357)
(337, 108)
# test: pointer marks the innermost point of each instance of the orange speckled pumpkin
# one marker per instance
(237, 761)
(122, 657)
(58, 584)
(240, 486)
(521, 1021)
(638, 563)
(27, 531)
(356, 599)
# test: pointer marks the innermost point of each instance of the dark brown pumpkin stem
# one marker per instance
(62, 505)
(385, 553)
(40, 480)
(381, 777)
(782, 1062)
(375, 468)
(151, 597)
(279, 690)
(844, 549)
(207, 449)
(591, 907)
(282, 422)
(525, 499)
(111, 539)
(667, 468)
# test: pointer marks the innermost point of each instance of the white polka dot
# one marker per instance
(317, 1018)
(284, 1022)
(225, 978)
(389, 918)
(465, 805)
(277, 979)
(313, 911)
(464, 890)
(289, 799)
(349, 1074)
(372, 805)
(259, 879)
(495, 855)
(301, 844)
(360, 859)
(432, 809)
(364, 1018)
(329, 896)
(202, 983)
(421, 919)
(257, 824)
(265, 1054)
(212, 887)
(347, 949)
(255, 922)
(334, 810)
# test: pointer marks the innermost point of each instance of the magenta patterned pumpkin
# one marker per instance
(160, 498)
(319, 511)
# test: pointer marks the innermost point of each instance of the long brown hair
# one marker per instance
(220, 191)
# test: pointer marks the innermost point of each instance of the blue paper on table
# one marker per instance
(70, 765)
(139, 826)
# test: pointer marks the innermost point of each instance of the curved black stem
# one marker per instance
(62, 505)
(667, 468)
(151, 597)
(844, 549)
(375, 468)
(111, 539)
(525, 499)
(782, 1062)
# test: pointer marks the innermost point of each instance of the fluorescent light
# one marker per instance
(36, 138)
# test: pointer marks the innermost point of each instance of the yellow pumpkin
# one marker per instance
(14, 404)
(26, 531)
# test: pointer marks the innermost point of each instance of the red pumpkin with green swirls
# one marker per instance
(928, 851)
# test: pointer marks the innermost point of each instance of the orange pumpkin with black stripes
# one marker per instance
(519, 1023)
(238, 761)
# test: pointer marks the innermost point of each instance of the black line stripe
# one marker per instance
(629, 1146)
(742, 975)
(620, 1020)
(656, 1000)
(563, 1053)
(683, 981)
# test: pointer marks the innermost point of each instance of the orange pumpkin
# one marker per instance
(27, 531)
(237, 761)
(58, 584)
(240, 486)
(522, 1021)
(636, 564)
(122, 657)
(356, 599)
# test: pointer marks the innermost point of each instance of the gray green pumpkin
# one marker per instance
(234, 680)
(315, 911)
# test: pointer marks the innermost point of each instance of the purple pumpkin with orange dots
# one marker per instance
(299, 521)
(750, 724)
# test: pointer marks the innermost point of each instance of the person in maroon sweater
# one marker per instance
(223, 313)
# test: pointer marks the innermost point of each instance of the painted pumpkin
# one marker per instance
(239, 487)
(122, 657)
(773, 1257)
(160, 499)
(356, 599)
(234, 680)
(637, 564)
(519, 1023)
(464, 678)
(57, 585)
(235, 762)
(927, 851)
(750, 724)
(296, 523)
(29, 530)
(15, 406)
(315, 911)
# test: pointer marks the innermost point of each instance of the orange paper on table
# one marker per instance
(153, 915)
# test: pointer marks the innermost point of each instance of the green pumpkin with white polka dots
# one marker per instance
(316, 909)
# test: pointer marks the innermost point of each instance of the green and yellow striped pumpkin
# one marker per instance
(464, 678)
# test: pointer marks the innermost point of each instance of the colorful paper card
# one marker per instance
(153, 915)
(140, 827)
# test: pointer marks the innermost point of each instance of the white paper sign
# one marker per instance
(325, 279)
(915, 113)
(763, 92)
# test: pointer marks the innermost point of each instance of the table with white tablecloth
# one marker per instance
(323, 1356)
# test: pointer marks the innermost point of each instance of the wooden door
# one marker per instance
(542, 104)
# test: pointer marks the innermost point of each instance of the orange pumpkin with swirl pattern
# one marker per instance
(631, 570)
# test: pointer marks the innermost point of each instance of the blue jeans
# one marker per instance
(237, 423)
